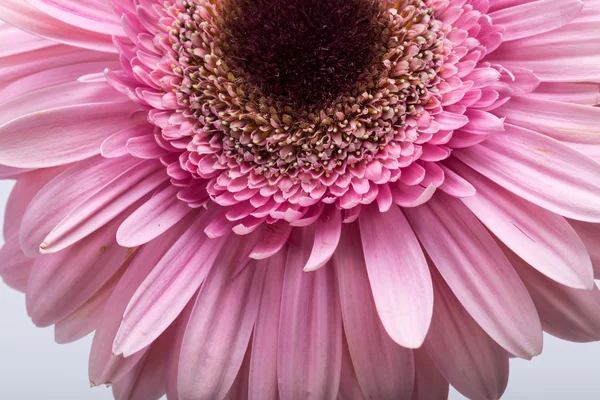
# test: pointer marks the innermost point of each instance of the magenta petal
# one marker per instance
(398, 274)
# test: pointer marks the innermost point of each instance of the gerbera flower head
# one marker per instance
(303, 199)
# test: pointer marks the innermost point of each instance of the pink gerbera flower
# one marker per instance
(303, 199)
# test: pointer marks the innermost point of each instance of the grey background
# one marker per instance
(33, 367)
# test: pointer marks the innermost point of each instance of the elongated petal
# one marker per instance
(349, 387)
(526, 20)
(218, 333)
(479, 274)
(77, 133)
(398, 274)
(543, 239)
(308, 365)
(590, 235)
(263, 362)
(104, 366)
(384, 369)
(25, 17)
(169, 287)
(59, 197)
(465, 355)
(429, 382)
(274, 237)
(327, 236)
(570, 314)
(541, 170)
(104, 205)
(572, 124)
(85, 319)
(91, 15)
(552, 54)
(62, 282)
(153, 218)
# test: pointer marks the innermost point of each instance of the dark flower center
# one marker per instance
(309, 51)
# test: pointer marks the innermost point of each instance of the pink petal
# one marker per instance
(327, 236)
(541, 170)
(59, 197)
(570, 314)
(274, 237)
(218, 333)
(77, 133)
(239, 388)
(146, 381)
(349, 387)
(169, 287)
(308, 365)
(574, 125)
(455, 185)
(104, 366)
(543, 239)
(85, 319)
(34, 21)
(398, 274)
(15, 268)
(537, 17)
(60, 283)
(429, 382)
(578, 93)
(553, 54)
(590, 235)
(104, 205)
(465, 355)
(478, 273)
(153, 218)
(263, 362)
(90, 15)
(384, 369)
(27, 187)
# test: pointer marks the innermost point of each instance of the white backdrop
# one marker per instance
(33, 367)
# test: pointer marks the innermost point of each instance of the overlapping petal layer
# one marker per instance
(416, 237)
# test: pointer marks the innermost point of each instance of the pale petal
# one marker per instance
(465, 355)
(544, 239)
(263, 362)
(308, 365)
(536, 17)
(478, 273)
(384, 369)
(171, 284)
(570, 314)
(541, 170)
(32, 20)
(153, 218)
(218, 333)
(90, 15)
(398, 274)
